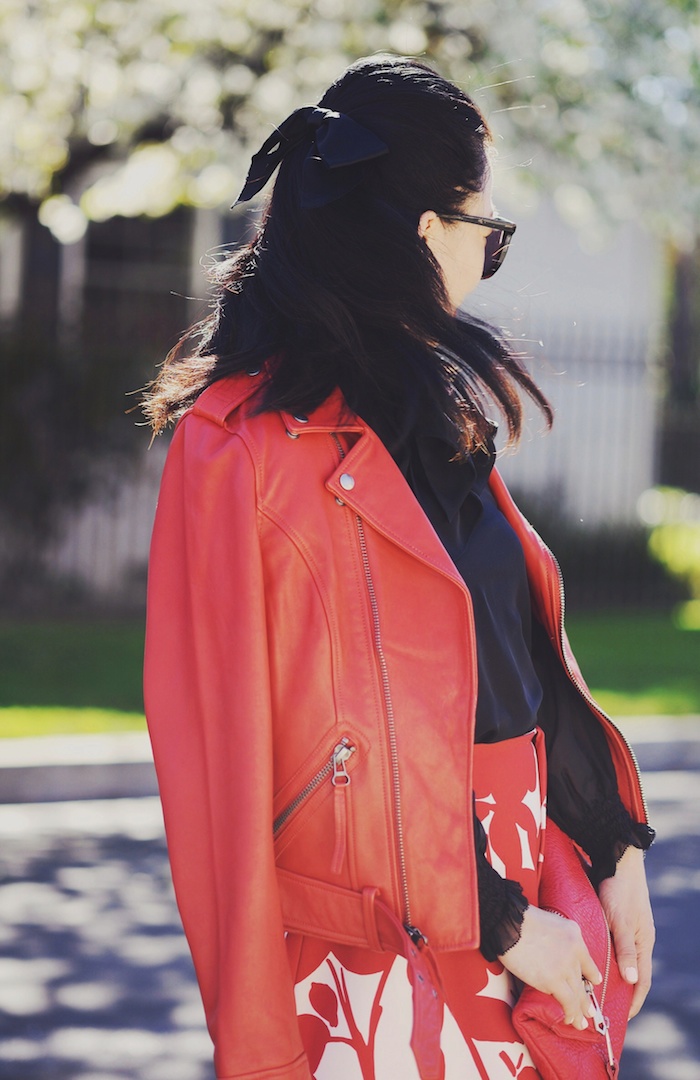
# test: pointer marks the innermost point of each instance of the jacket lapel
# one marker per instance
(369, 481)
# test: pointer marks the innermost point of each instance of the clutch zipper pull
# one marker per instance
(602, 1026)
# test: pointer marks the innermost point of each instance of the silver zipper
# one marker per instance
(585, 693)
(600, 1022)
(334, 767)
(413, 932)
(602, 1026)
(608, 958)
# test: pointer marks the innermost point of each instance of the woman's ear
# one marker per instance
(427, 223)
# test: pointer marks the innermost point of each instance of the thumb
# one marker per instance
(589, 969)
(626, 953)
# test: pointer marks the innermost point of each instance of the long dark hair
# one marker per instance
(348, 294)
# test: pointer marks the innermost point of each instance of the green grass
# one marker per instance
(62, 677)
(75, 664)
(19, 721)
(70, 677)
(638, 663)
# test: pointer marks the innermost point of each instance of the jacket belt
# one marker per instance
(368, 923)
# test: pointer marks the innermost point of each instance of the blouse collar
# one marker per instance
(435, 444)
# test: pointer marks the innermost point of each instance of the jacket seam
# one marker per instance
(313, 571)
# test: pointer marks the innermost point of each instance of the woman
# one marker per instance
(355, 833)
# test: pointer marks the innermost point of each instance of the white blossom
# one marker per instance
(598, 98)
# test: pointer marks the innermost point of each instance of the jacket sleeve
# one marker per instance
(208, 709)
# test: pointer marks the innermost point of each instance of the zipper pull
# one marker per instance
(340, 780)
(342, 753)
(602, 1026)
(417, 936)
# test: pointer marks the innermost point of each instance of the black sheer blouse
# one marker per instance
(521, 681)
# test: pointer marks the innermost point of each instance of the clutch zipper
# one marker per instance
(602, 1026)
(600, 1021)
(413, 932)
(334, 768)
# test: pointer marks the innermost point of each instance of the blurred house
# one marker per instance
(592, 322)
(589, 320)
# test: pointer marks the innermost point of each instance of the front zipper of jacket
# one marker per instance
(584, 692)
(413, 932)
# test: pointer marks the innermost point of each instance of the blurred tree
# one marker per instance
(137, 106)
(679, 448)
(133, 108)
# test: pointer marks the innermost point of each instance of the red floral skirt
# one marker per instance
(354, 1005)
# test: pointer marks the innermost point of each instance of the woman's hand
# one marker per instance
(551, 956)
(625, 900)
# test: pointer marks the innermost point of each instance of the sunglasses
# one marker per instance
(497, 241)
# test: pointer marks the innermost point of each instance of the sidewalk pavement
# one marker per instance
(59, 768)
(63, 768)
(96, 982)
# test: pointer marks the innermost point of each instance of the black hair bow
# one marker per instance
(333, 164)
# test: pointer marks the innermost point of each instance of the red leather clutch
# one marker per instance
(559, 1050)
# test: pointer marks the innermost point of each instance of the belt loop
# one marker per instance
(369, 895)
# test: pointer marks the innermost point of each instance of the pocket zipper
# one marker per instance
(334, 769)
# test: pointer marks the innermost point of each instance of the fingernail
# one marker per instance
(583, 1024)
(631, 974)
(591, 1010)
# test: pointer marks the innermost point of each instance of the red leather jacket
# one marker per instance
(305, 624)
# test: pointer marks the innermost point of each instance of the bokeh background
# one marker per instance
(126, 127)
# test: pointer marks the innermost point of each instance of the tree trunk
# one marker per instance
(680, 426)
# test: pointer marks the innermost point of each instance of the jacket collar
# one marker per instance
(225, 396)
(367, 479)
(334, 414)
(435, 442)
(222, 398)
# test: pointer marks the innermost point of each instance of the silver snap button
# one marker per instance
(253, 373)
(347, 482)
(292, 434)
(339, 501)
(301, 419)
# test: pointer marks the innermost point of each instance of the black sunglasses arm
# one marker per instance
(501, 224)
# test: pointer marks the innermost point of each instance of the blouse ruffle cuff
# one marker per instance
(606, 833)
(502, 907)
